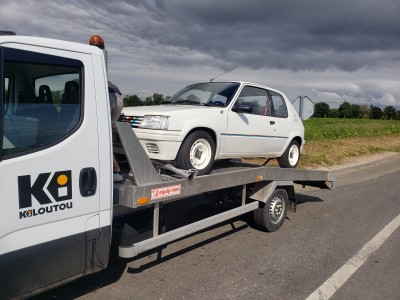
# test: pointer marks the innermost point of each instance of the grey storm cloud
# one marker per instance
(293, 35)
(306, 39)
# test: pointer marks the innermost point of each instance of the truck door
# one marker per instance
(49, 168)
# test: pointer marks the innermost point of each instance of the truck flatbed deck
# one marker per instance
(150, 184)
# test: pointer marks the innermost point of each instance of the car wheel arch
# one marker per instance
(210, 131)
(297, 139)
(294, 137)
(198, 151)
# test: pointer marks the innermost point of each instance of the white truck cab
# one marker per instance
(55, 162)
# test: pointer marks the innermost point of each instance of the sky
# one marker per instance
(330, 51)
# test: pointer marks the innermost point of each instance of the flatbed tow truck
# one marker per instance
(59, 206)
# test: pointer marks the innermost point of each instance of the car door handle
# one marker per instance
(272, 122)
(88, 182)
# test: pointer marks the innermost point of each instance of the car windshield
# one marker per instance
(209, 94)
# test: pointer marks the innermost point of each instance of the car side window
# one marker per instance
(278, 105)
(255, 100)
(42, 103)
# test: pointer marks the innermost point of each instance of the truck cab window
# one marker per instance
(42, 104)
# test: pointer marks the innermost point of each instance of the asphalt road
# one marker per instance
(236, 261)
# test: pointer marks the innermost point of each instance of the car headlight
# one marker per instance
(154, 122)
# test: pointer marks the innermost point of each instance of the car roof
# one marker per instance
(245, 83)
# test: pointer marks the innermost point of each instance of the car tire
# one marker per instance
(271, 215)
(197, 152)
(291, 156)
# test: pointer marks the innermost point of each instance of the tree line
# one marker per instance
(322, 109)
(355, 111)
(155, 99)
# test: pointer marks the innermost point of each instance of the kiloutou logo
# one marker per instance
(59, 188)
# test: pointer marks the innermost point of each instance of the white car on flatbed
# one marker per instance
(219, 120)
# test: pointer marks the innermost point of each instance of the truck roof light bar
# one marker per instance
(96, 40)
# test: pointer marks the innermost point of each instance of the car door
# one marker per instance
(279, 115)
(48, 164)
(250, 130)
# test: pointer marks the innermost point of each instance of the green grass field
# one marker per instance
(335, 141)
(318, 129)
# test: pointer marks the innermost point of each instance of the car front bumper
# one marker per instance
(159, 144)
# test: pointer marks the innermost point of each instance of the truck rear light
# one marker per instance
(142, 201)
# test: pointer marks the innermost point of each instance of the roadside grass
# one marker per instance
(335, 141)
(325, 153)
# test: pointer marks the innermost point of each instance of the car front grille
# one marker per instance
(134, 121)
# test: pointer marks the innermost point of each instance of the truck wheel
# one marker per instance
(291, 157)
(197, 152)
(271, 216)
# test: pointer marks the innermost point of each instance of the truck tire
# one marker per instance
(197, 152)
(272, 214)
(291, 156)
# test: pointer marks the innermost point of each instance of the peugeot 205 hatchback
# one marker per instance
(209, 121)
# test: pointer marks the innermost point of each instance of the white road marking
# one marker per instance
(329, 287)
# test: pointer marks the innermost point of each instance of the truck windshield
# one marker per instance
(209, 93)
